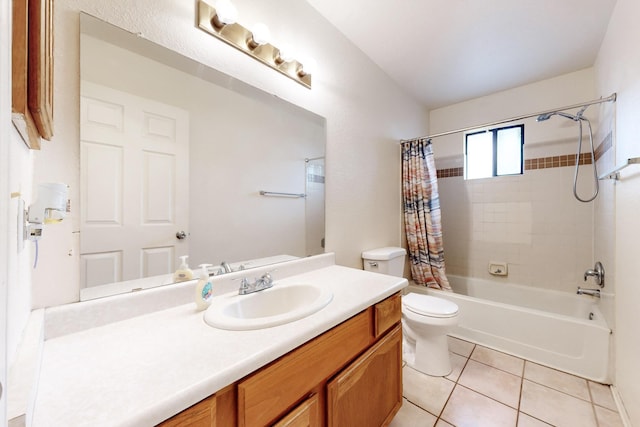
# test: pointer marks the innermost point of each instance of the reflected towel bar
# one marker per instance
(613, 174)
(276, 194)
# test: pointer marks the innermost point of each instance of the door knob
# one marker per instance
(180, 235)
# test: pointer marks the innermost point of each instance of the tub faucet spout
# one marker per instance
(592, 292)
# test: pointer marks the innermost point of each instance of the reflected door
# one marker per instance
(314, 206)
(134, 194)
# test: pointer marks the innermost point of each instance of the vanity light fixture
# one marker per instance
(226, 14)
(220, 21)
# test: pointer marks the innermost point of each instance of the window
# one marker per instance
(494, 152)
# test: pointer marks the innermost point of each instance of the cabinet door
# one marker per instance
(369, 391)
(307, 414)
(267, 395)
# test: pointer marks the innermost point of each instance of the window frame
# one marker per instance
(494, 137)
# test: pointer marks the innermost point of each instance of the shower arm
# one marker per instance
(610, 98)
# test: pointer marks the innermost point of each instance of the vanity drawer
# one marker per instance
(386, 314)
(271, 392)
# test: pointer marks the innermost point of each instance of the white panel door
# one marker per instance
(134, 193)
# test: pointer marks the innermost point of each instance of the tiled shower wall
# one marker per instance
(531, 221)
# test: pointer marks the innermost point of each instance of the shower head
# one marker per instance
(546, 116)
(543, 117)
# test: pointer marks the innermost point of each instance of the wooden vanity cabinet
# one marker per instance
(349, 376)
(307, 414)
(369, 391)
(217, 410)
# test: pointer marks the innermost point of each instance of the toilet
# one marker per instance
(426, 320)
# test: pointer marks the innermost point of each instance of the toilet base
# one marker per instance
(429, 356)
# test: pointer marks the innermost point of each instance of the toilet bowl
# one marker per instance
(426, 320)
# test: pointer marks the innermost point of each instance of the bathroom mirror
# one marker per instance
(180, 159)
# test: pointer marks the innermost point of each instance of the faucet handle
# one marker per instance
(597, 272)
(245, 286)
(267, 277)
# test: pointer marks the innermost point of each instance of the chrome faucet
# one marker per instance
(597, 273)
(592, 292)
(226, 268)
(260, 284)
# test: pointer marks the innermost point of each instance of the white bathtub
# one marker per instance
(547, 327)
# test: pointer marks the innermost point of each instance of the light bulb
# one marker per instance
(286, 53)
(309, 66)
(261, 34)
(226, 11)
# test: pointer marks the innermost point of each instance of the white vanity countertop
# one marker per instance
(144, 369)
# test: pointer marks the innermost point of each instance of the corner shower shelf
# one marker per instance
(614, 174)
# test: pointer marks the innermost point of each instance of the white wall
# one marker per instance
(366, 114)
(15, 175)
(530, 221)
(20, 169)
(618, 70)
(5, 140)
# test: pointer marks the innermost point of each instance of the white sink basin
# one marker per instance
(271, 307)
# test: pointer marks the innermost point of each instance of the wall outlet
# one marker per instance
(498, 268)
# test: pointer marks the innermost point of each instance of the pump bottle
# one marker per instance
(204, 289)
(183, 273)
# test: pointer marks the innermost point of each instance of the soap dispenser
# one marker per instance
(204, 289)
(183, 273)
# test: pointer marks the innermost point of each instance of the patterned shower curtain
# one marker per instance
(422, 214)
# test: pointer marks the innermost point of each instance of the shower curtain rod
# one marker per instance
(610, 98)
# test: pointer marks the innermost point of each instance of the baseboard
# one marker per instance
(624, 416)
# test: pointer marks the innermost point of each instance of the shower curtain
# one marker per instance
(422, 214)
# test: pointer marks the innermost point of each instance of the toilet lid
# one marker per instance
(427, 305)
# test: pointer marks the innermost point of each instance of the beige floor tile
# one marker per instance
(608, 418)
(457, 365)
(468, 408)
(429, 393)
(461, 347)
(494, 383)
(555, 407)
(442, 423)
(557, 380)
(525, 420)
(499, 360)
(411, 415)
(601, 395)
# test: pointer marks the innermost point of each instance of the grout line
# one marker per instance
(455, 383)
(524, 363)
(536, 418)
(559, 391)
(488, 397)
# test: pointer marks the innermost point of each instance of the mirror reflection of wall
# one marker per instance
(238, 141)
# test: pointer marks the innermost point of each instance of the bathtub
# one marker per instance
(556, 329)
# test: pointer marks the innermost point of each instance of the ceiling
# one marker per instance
(448, 51)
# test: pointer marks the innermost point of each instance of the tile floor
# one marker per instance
(489, 388)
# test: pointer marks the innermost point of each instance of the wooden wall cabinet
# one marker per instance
(32, 70)
(349, 376)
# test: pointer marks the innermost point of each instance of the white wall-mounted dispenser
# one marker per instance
(498, 268)
(50, 207)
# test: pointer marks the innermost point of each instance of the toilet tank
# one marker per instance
(389, 260)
